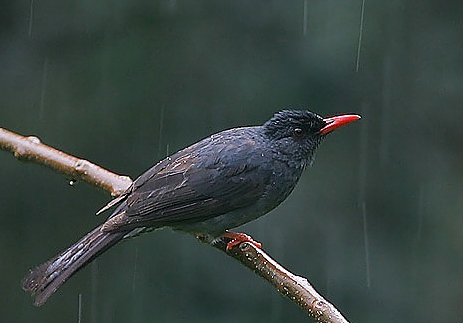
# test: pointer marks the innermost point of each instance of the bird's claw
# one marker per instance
(237, 238)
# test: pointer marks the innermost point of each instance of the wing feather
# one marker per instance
(213, 177)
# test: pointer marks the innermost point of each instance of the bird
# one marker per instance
(219, 183)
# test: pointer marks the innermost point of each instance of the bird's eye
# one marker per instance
(298, 132)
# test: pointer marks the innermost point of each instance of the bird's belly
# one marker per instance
(217, 225)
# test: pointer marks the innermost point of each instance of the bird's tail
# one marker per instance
(44, 280)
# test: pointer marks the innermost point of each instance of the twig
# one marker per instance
(31, 149)
(296, 288)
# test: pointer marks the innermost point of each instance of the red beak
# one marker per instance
(333, 123)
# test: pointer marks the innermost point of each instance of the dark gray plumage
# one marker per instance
(218, 183)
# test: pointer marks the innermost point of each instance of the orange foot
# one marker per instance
(237, 238)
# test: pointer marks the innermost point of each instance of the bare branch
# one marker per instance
(296, 288)
(31, 149)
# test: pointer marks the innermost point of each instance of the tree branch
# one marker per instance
(296, 288)
(31, 149)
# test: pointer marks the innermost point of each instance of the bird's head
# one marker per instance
(295, 134)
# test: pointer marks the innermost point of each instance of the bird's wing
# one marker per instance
(205, 180)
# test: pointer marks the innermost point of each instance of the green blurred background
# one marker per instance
(376, 224)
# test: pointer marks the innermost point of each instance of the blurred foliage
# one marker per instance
(124, 83)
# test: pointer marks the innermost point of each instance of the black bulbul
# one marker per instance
(216, 184)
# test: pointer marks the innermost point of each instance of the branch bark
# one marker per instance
(31, 149)
(296, 288)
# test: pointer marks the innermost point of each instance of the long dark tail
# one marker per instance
(44, 280)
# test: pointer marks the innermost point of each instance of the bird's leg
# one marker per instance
(237, 238)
